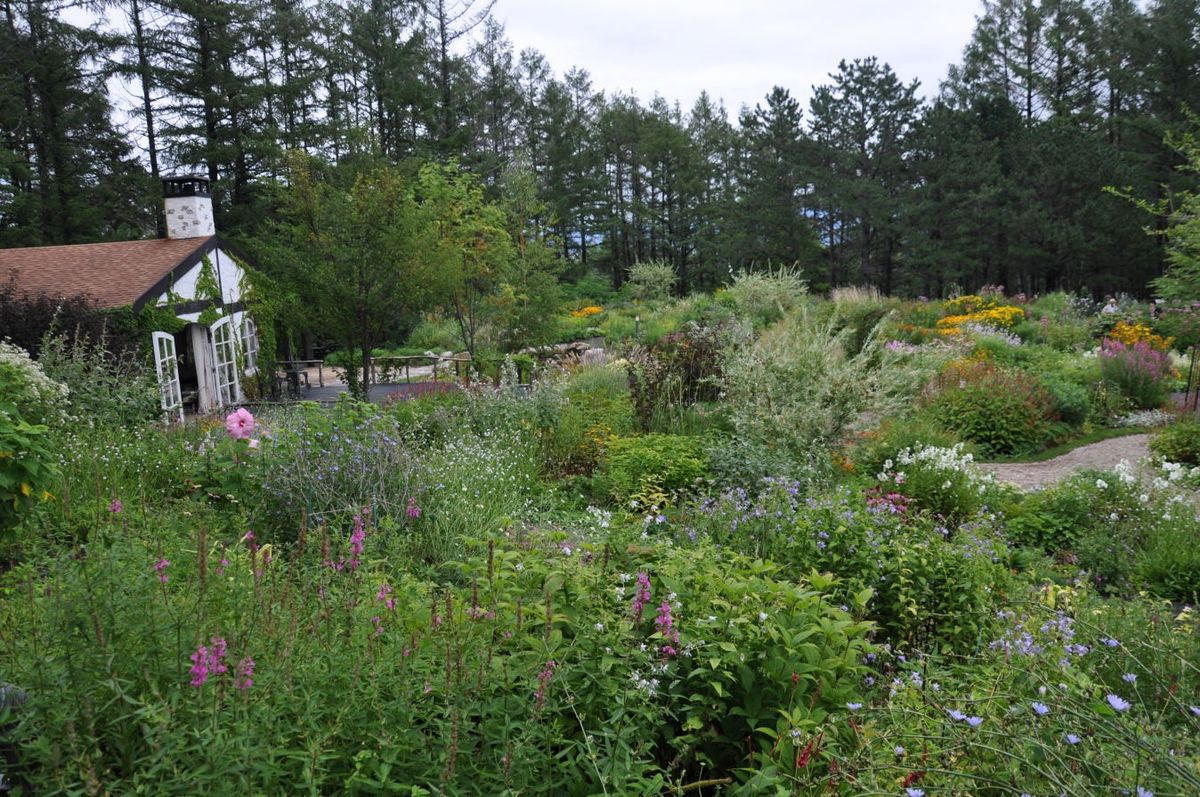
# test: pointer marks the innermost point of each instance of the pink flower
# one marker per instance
(253, 442)
(115, 506)
(539, 697)
(239, 424)
(161, 567)
(413, 510)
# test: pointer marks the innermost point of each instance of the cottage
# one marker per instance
(192, 273)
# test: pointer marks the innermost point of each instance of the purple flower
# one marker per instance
(161, 567)
(854, 706)
(1144, 792)
(1110, 642)
(1129, 677)
(913, 791)
(115, 506)
(1072, 738)
(1117, 702)
(1041, 709)
(413, 510)
(1195, 710)
(956, 715)
(974, 722)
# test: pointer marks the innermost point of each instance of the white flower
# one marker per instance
(600, 627)
(1101, 484)
(762, 617)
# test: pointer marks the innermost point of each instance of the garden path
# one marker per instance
(1102, 455)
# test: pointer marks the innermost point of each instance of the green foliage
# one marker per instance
(1071, 401)
(103, 386)
(652, 469)
(924, 588)
(651, 281)
(1178, 442)
(562, 687)
(28, 466)
(597, 407)
(1002, 410)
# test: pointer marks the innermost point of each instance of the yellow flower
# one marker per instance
(1132, 334)
(584, 312)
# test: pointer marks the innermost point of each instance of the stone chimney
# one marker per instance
(189, 207)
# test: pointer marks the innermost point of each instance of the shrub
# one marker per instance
(794, 389)
(23, 383)
(103, 385)
(1140, 372)
(652, 469)
(1003, 410)
(596, 408)
(1179, 442)
(679, 369)
(942, 481)
(1071, 401)
(927, 589)
(28, 466)
(651, 281)
(872, 449)
(763, 297)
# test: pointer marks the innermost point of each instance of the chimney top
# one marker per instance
(186, 185)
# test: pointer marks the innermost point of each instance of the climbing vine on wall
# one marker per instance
(207, 287)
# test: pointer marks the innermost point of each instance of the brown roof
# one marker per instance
(112, 274)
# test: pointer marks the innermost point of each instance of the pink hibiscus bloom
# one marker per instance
(239, 424)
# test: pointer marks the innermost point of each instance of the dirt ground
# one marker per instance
(1104, 454)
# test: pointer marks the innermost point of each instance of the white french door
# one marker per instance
(166, 365)
(225, 350)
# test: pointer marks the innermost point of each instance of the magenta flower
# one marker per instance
(665, 624)
(413, 510)
(239, 424)
(245, 674)
(115, 506)
(161, 567)
(539, 697)
(208, 661)
(641, 597)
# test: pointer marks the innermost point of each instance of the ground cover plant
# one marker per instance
(755, 554)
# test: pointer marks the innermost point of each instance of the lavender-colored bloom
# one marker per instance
(899, 751)
(1110, 642)
(1129, 677)
(854, 706)
(956, 715)
(974, 722)
(1144, 792)
(1117, 702)
(1041, 709)
(1195, 710)
(912, 791)
(1072, 738)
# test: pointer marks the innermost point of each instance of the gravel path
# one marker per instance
(1104, 454)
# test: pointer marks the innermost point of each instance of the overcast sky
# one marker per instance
(738, 49)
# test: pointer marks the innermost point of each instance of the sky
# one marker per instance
(738, 50)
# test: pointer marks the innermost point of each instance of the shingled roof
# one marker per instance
(112, 274)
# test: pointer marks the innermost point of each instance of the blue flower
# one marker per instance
(1195, 710)
(1129, 677)
(955, 714)
(1072, 739)
(854, 706)
(974, 722)
(1117, 702)
(1144, 792)
(1041, 709)
(899, 751)
(913, 791)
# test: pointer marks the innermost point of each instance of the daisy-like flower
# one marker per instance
(1118, 702)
